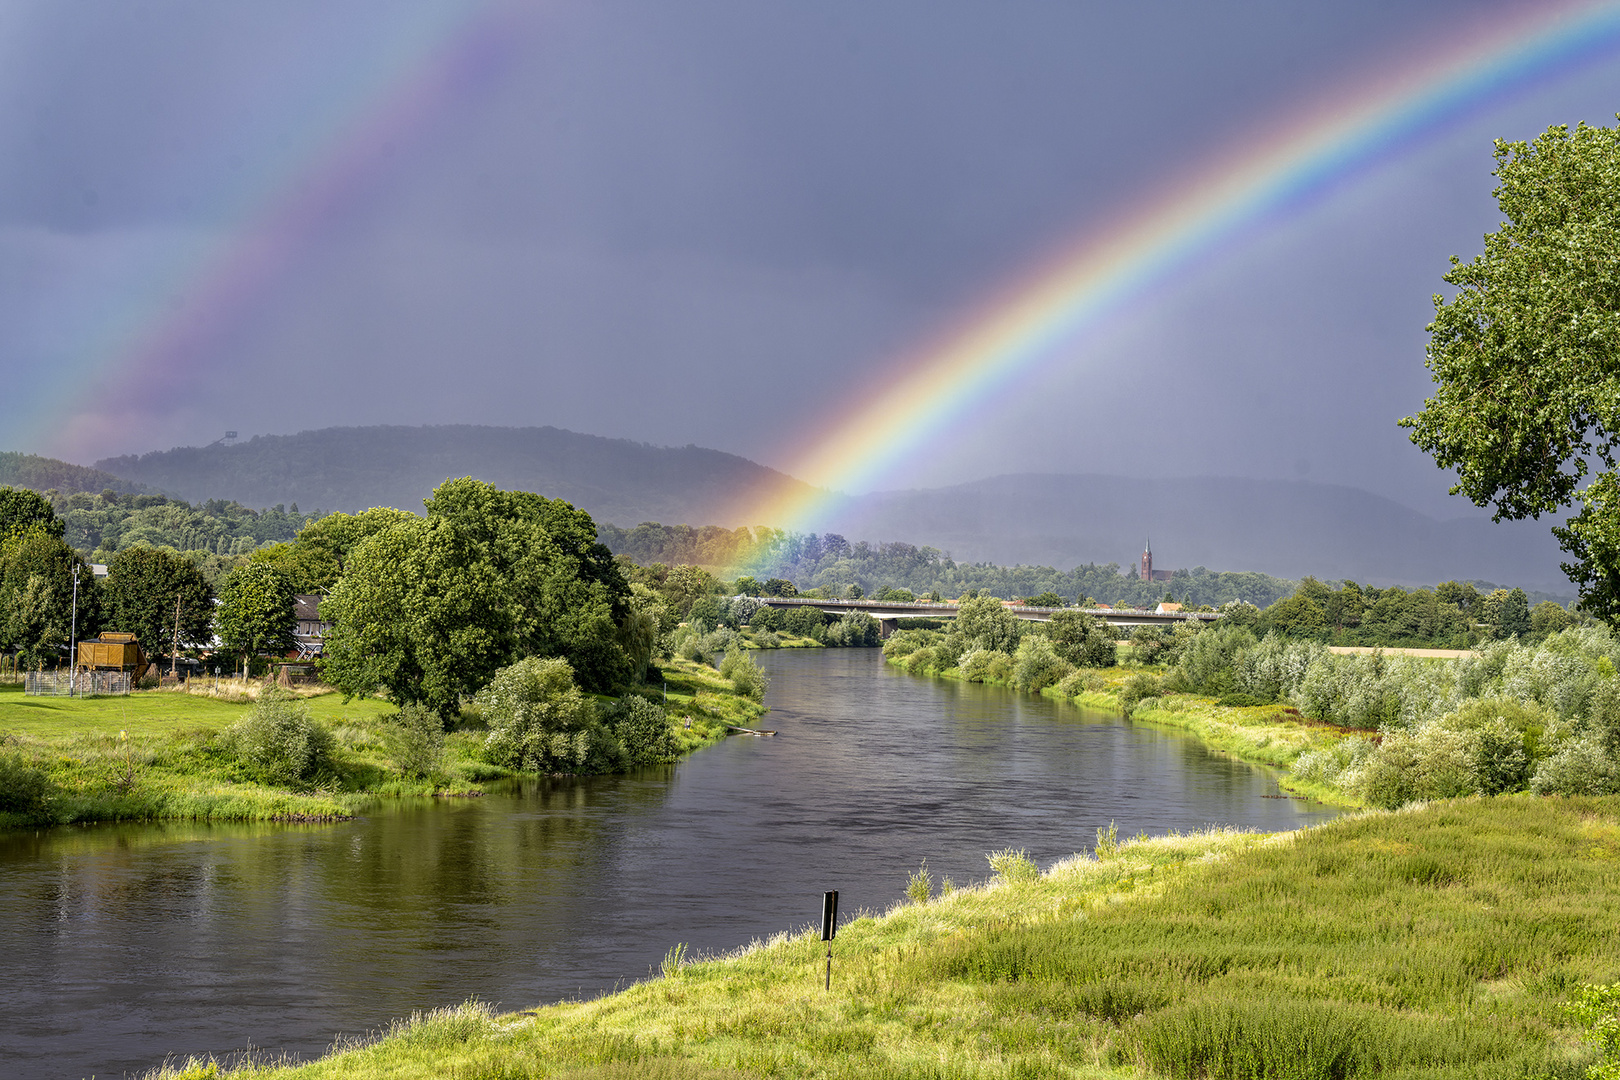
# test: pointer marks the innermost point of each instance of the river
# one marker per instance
(123, 944)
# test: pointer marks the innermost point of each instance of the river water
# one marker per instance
(121, 945)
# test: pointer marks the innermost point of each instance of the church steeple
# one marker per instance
(1147, 559)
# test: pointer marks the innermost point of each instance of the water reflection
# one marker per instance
(121, 944)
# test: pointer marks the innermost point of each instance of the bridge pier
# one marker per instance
(887, 627)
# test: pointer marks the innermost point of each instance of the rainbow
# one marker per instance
(1035, 322)
(182, 306)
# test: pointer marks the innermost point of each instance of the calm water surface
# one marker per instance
(120, 945)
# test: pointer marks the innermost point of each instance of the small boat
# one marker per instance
(748, 731)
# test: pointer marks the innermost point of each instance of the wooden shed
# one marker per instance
(112, 652)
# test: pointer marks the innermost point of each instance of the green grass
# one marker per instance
(157, 755)
(154, 712)
(1441, 941)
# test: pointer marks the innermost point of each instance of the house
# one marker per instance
(1167, 609)
(311, 630)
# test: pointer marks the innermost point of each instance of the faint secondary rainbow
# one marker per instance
(132, 352)
(1211, 207)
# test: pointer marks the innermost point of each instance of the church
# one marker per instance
(1148, 573)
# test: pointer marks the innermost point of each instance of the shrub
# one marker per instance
(278, 742)
(642, 729)
(540, 722)
(1037, 665)
(986, 665)
(1580, 767)
(920, 886)
(855, 630)
(746, 677)
(1138, 687)
(23, 789)
(1014, 866)
(1083, 679)
(416, 740)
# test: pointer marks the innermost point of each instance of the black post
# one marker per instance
(829, 927)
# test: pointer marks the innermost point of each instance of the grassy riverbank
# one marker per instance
(1440, 941)
(1274, 735)
(159, 754)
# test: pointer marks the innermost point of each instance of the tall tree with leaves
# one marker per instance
(148, 589)
(24, 511)
(1527, 354)
(255, 616)
(37, 605)
(430, 609)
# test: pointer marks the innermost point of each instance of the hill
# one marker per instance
(43, 474)
(1285, 528)
(353, 468)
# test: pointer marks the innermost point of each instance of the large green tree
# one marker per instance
(37, 596)
(147, 588)
(255, 615)
(1527, 354)
(430, 609)
(23, 511)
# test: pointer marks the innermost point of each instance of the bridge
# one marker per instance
(889, 612)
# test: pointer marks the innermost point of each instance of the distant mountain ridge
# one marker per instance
(1281, 527)
(353, 468)
(1284, 528)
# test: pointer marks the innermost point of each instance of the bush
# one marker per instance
(1075, 682)
(24, 789)
(746, 677)
(1037, 665)
(416, 740)
(642, 729)
(855, 630)
(986, 665)
(540, 722)
(1138, 687)
(1014, 866)
(278, 742)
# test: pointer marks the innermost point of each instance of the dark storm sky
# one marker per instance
(711, 223)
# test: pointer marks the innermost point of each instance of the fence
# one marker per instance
(84, 684)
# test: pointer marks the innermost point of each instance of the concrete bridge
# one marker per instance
(889, 612)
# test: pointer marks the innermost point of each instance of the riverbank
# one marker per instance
(1274, 735)
(159, 754)
(1444, 940)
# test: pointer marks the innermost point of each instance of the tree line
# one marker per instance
(831, 564)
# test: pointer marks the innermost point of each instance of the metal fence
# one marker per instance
(82, 684)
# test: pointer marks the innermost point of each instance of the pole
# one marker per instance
(73, 637)
(174, 654)
(829, 967)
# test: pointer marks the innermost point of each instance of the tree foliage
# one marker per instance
(36, 596)
(139, 598)
(1526, 356)
(430, 608)
(255, 615)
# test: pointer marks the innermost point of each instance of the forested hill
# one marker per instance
(353, 468)
(44, 474)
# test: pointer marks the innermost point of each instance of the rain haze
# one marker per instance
(722, 224)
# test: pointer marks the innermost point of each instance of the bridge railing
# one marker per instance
(941, 606)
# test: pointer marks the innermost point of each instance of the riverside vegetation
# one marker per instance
(1462, 939)
(503, 637)
(261, 753)
(1377, 730)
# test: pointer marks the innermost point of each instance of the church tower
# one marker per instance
(1147, 560)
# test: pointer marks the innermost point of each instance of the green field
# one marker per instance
(154, 712)
(1440, 941)
(162, 755)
